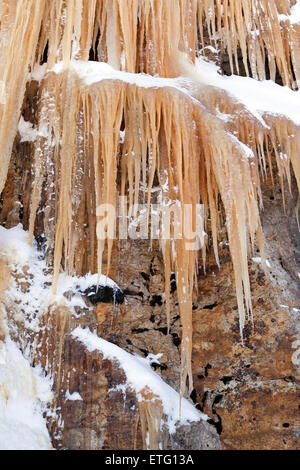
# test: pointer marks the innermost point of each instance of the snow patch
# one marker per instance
(258, 260)
(39, 72)
(24, 393)
(73, 396)
(26, 130)
(39, 296)
(294, 17)
(14, 243)
(93, 72)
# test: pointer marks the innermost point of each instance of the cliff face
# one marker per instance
(249, 392)
(119, 358)
(252, 391)
(93, 405)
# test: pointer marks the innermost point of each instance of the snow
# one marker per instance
(23, 390)
(82, 283)
(78, 285)
(258, 260)
(14, 243)
(294, 17)
(39, 296)
(93, 72)
(295, 13)
(140, 375)
(24, 393)
(259, 97)
(39, 72)
(73, 396)
(26, 130)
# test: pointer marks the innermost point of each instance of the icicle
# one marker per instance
(151, 412)
(20, 23)
(259, 28)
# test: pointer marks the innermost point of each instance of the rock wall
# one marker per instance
(250, 391)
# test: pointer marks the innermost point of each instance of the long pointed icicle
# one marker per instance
(20, 23)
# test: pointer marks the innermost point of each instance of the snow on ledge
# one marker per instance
(259, 97)
(140, 375)
(93, 72)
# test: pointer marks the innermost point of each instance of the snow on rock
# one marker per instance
(80, 284)
(79, 287)
(39, 72)
(23, 389)
(26, 130)
(13, 243)
(294, 17)
(258, 260)
(92, 72)
(39, 296)
(140, 375)
(73, 396)
(36, 298)
(295, 13)
(24, 392)
(260, 98)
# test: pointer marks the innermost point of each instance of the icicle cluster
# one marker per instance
(178, 137)
(151, 412)
(261, 30)
(173, 134)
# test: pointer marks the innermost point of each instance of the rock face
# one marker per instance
(94, 407)
(250, 391)
(107, 414)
